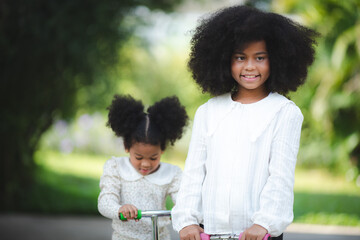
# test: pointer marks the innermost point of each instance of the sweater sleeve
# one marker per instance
(188, 208)
(277, 197)
(109, 197)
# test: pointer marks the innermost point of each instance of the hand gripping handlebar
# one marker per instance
(205, 236)
(154, 214)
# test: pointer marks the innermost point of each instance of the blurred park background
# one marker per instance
(63, 60)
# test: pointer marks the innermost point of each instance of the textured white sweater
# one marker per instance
(240, 167)
(122, 184)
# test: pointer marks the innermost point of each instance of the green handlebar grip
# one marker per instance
(122, 218)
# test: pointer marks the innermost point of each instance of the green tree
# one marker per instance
(331, 98)
(49, 51)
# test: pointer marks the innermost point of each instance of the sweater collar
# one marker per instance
(263, 111)
(162, 176)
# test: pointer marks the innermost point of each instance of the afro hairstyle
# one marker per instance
(163, 124)
(290, 47)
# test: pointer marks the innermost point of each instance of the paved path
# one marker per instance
(39, 227)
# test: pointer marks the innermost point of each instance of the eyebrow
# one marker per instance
(138, 154)
(240, 52)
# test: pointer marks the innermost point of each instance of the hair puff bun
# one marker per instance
(125, 114)
(170, 117)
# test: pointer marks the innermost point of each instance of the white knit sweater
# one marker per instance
(240, 166)
(122, 184)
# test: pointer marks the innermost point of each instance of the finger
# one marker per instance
(134, 213)
(197, 236)
(242, 236)
(261, 237)
(188, 237)
(128, 214)
(124, 215)
(131, 212)
(123, 211)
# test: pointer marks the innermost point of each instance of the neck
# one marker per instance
(247, 97)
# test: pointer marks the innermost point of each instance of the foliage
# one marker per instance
(61, 57)
(85, 134)
(330, 100)
(165, 76)
(152, 66)
(50, 50)
(330, 135)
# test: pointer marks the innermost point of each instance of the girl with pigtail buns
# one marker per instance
(141, 181)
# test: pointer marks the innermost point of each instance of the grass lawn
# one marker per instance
(68, 183)
(322, 198)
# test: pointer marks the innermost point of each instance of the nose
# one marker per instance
(249, 65)
(145, 164)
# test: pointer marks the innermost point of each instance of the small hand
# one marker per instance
(191, 232)
(255, 232)
(129, 211)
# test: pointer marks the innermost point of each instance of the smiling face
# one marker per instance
(145, 158)
(250, 67)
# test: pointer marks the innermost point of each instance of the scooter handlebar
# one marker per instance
(148, 213)
(205, 236)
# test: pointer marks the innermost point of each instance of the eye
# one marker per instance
(153, 159)
(239, 58)
(261, 58)
(139, 158)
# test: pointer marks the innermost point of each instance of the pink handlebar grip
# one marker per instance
(205, 236)
(267, 236)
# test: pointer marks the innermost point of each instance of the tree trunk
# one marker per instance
(16, 174)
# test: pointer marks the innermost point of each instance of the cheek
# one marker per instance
(264, 69)
(233, 65)
(156, 163)
(267, 67)
(267, 72)
(136, 162)
(235, 68)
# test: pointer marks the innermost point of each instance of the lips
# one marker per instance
(144, 170)
(250, 78)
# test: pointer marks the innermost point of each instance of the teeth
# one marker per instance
(250, 76)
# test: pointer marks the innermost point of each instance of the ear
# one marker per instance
(126, 149)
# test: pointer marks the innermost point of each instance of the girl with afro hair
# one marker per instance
(141, 181)
(239, 172)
